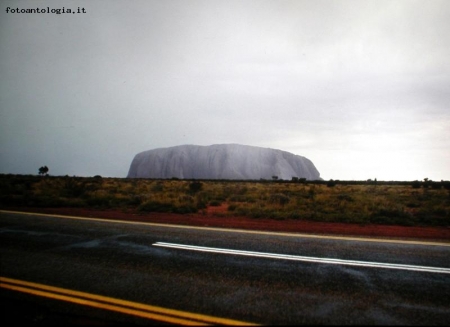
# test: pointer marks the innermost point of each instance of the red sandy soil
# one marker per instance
(209, 218)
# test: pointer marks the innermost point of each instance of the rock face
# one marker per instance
(221, 161)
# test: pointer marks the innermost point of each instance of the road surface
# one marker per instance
(80, 269)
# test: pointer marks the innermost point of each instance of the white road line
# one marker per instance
(303, 258)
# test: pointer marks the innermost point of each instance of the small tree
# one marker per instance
(43, 170)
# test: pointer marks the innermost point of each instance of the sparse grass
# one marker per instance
(391, 203)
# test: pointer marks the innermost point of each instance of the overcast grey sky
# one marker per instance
(361, 88)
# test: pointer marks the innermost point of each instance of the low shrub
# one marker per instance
(155, 206)
(279, 198)
(215, 203)
(241, 198)
(195, 187)
(392, 217)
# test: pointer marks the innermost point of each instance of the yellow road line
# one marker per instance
(229, 230)
(122, 306)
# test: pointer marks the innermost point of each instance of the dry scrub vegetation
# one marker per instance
(392, 203)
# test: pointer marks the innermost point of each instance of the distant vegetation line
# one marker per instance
(408, 203)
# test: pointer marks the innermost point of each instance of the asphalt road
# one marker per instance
(213, 275)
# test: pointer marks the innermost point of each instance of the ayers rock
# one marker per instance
(221, 161)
